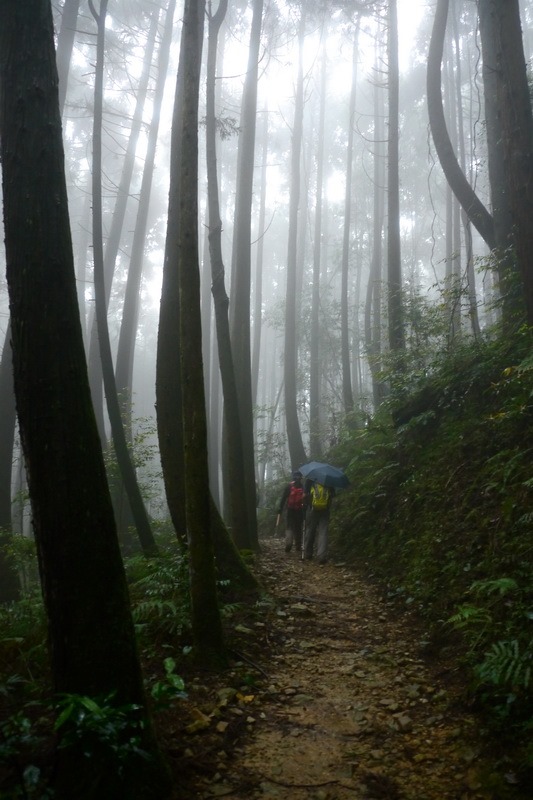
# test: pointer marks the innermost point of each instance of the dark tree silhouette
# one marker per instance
(510, 132)
(206, 622)
(91, 635)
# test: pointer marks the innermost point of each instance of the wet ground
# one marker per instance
(332, 696)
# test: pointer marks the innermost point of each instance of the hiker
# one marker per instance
(294, 499)
(319, 502)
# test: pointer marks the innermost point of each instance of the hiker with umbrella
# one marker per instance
(321, 482)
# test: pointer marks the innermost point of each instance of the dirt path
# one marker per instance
(337, 702)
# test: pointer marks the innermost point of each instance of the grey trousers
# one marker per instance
(317, 527)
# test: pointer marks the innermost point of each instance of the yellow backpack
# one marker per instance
(319, 497)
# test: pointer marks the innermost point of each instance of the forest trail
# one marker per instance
(339, 701)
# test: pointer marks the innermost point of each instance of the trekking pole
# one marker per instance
(277, 526)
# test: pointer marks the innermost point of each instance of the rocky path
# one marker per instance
(338, 701)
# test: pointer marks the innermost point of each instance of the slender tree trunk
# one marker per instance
(206, 622)
(234, 442)
(466, 224)
(120, 444)
(294, 436)
(91, 634)
(130, 315)
(258, 278)
(315, 442)
(394, 268)
(452, 282)
(117, 223)
(373, 296)
(215, 403)
(347, 391)
(241, 268)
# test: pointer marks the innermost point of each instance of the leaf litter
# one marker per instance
(330, 696)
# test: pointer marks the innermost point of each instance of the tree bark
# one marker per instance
(206, 622)
(315, 440)
(347, 391)
(294, 437)
(373, 342)
(169, 401)
(510, 136)
(92, 640)
(241, 268)
(394, 266)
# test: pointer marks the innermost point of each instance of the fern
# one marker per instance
(469, 615)
(505, 665)
(499, 586)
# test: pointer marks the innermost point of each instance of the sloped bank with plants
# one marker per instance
(441, 513)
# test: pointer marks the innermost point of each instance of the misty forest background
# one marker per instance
(290, 231)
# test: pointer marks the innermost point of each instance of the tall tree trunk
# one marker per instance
(315, 441)
(241, 267)
(234, 441)
(477, 213)
(206, 622)
(215, 403)
(347, 391)
(92, 639)
(169, 401)
(168, 371)
(117, 222)
(470, 271)
(452, 282)
(509, 135)
(373, 296)
(130, 314)
(258, 275)
(394, 267)
(120, 444)
(294, 436)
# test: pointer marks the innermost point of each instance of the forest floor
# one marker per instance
(331, 694)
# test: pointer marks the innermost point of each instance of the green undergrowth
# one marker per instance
(440, 510)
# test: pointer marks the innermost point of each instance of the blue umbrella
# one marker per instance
(325, 474)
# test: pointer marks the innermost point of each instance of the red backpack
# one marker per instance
(295, 501)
